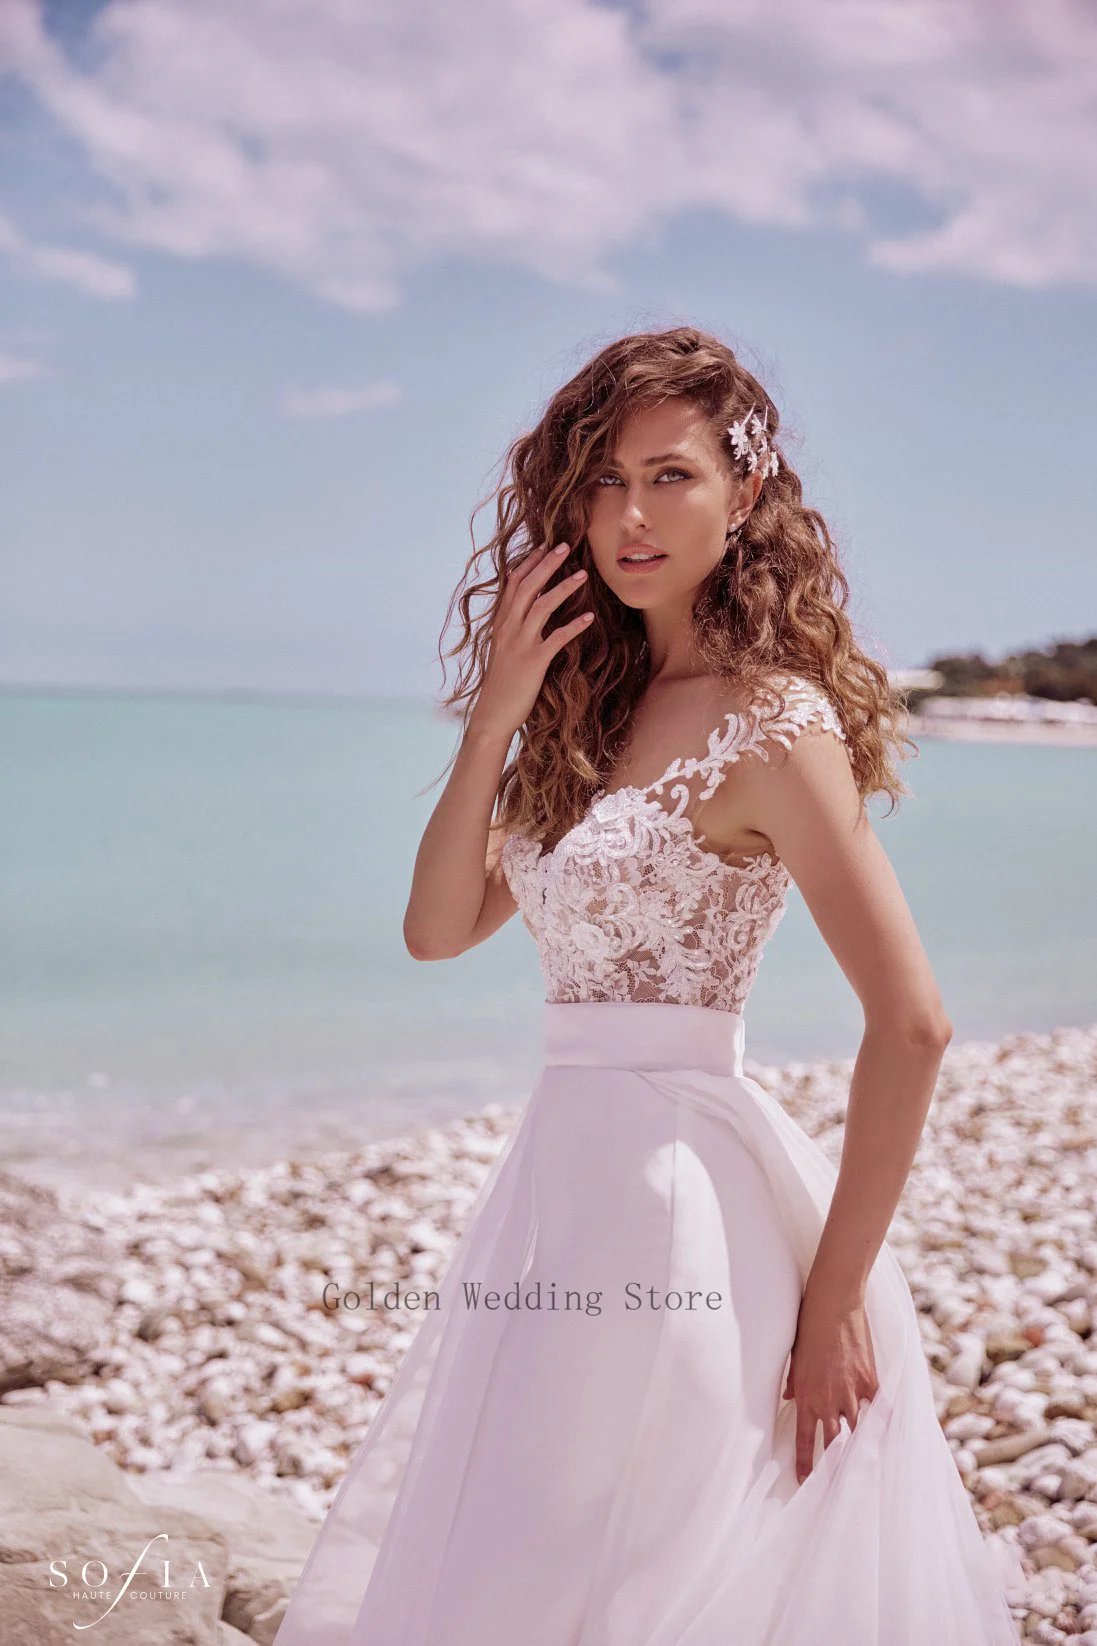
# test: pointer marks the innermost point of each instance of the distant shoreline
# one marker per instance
(972, 730)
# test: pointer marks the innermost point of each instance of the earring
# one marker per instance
(732, 535)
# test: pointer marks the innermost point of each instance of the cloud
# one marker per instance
(345, 144)
(21, 352)
(983, 113)
(329, 401)
(17, 369)
(89, 273)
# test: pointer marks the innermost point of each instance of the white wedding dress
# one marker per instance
(606, 1459)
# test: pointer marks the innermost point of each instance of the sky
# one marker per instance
(281, 279)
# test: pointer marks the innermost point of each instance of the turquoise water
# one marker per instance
(201, 905)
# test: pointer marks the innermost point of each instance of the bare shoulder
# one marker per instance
(779, 742)
(803, 772)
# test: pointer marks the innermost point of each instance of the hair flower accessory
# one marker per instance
(750, 443)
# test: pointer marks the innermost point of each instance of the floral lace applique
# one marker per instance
(629, 905)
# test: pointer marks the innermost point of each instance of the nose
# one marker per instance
(633, 514)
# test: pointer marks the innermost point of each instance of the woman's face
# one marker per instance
(668, 492)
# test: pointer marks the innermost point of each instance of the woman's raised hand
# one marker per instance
(518, 650)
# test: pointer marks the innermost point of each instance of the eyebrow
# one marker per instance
(663, 457)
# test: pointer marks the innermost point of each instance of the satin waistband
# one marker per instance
(635, 1034)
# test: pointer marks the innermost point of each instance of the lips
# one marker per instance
(651, 555)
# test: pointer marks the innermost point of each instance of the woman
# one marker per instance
(697, 1412)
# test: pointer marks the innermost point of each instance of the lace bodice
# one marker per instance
(629, 905)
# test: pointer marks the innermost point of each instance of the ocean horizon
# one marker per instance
(202, 902)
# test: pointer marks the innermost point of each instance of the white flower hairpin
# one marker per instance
(750, 443)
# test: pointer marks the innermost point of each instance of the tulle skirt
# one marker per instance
(587, 1442)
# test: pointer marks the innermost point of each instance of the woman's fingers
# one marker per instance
(518, 652)
(518, 571)
(547, 601)
(805, 1444)
(806, 1424)
(567, 631)
(832, 1428)
(535, 572)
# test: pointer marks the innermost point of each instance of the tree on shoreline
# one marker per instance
(1065, 673)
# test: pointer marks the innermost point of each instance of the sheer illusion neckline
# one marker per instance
(674, 769)
(678, 768)
(632, 903)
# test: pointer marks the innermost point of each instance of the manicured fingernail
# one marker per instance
(561, 548)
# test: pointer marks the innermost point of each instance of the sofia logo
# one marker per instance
(92, 1582)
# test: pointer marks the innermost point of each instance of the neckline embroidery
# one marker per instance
(721, 747)
(744, 734)
(689, 833)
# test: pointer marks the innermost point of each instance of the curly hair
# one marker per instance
(775, 603)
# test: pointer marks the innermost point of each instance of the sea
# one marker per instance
(201, 957)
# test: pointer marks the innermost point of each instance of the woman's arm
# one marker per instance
(807, 803)
(459, 895)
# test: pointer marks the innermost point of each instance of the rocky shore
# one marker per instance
(177, 1334)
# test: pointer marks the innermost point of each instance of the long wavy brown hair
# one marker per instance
(776, 602)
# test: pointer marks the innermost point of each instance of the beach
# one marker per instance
(209, 1332)
(1006, 718)
(1052, 733)
(241, 1130)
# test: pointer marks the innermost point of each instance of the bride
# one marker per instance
(662, 628)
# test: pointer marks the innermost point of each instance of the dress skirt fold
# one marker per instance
(604, 1457)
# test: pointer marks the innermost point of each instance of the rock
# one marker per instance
(216, 1399)
(1069, 1404)
(1079, 1479)
(1078, 1313)
(152, 1323)
(136, 1290)
(1069, 1554)
(1074, 1433)
(1043, 1460)
(235, 1553)
(253, 1441)
(48, 1253)
(269, 1541)
(1044, 1633)
(969, 1426)
(257, 1611)
(120, 1396)
(1010, 1447)
(1006, 1346)
(1041, 1531)
(1006, 1513)
(1049, 1286)
(63, 1503)
(966, 1368)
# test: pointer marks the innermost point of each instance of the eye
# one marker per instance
(613, 479)
(678, 474)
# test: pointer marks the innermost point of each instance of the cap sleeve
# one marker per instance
(804, 703)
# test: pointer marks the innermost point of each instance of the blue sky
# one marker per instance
(279, 283)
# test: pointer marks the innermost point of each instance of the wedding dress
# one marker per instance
(605, 1457)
